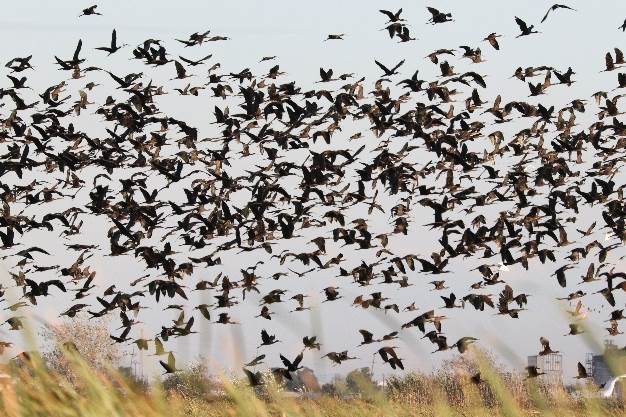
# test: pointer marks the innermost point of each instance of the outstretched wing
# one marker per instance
(387, 13)
(297, 360)
(397, 66)
(180, 70)
(433, 11)
(382, 67)
(77, 51)
(522, 25)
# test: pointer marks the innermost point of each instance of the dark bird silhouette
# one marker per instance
(389, 355)
(170, 365)
(113, 47)
(368, 337)
(389, 72)
(266, 339)
(533, 372)
(254, 379)
(292, 366)
(311, 342)
(75, 61)
(90, 11)
(438, 17)
(545, 343)
(581, 371)
(524, 28)
(338, 357)
(555, 7)
(393, 17)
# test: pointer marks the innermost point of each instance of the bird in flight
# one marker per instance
(388, 72)
(492, 38)
(336, 37)
(438, 17)
(113, 47)
(524, 28)
(90, 11)
(556, 7)
(581, 371)
(393, 17)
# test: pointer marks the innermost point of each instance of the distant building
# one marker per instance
(551, 365)
(599, 366)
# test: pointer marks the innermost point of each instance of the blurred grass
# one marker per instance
(33, 390)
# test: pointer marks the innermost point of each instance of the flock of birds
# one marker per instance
(529, 181)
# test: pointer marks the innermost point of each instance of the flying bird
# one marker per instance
(113, 47)
(556, 7)
(524, 28)
(90, 11)
(389, 72)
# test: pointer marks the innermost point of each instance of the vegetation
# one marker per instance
(37, 389)
(80, 374)
(89, 337)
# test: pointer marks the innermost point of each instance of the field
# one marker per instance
(35, 390)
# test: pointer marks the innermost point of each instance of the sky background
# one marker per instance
(294, 31)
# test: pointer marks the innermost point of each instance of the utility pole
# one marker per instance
(141, 357)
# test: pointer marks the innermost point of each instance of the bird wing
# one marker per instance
(77, 51)
(286, 361)
(476, 77)
(522, 25)
(57, 283)
(158, 346)
(426, 265)
(433, 11)
(180, 70)
(608, 60)
(166, 367)
(562, 6)
(366, 335)
(188, 61)
(265, 337)
(387, 13)
(125, 333)
(14, 80)
(252, 378)
(381, 66)
(189, 324)
(297, 360)
(397, 66)
(547, 13)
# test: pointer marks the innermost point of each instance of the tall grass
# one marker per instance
(35, 390)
